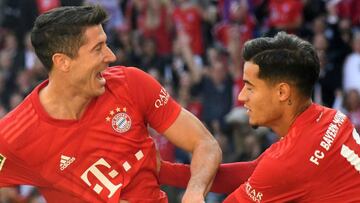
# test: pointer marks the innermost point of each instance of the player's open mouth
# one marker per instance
(100, 78)
(247, 109)
(99, 75)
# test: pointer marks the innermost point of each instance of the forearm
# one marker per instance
(206, 159)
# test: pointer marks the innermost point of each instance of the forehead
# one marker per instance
(251, 71)
(94, 34)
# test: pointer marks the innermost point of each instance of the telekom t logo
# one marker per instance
(113, 173)
(101, 177)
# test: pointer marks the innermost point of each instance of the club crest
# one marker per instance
(119, 119)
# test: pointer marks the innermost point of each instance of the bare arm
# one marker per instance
(188, 133)
(184, 43)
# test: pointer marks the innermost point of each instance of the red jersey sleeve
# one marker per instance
(159, 108)
(13, 171)
(228, 177)
(269, 183)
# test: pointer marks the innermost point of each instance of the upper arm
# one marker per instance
(164, 114)
(187, 131)
(153, 101)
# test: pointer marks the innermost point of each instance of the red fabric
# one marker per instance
(349, 9)
(37, 147)
(161, 33)
(228, 177)
(284, 12)
(189, 20)
(46, 5)
(231, 199)
(223, 29)
(308, 164)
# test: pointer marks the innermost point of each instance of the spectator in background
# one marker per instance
(155, 22)
(188, 18)
(240, 20)
(326, 86)
(148, 58)
(285, 15)
(351, 74)
(232, 34)
(351, 104)
(19, 16)
(46, 5)
(213, 84)
(349, 9)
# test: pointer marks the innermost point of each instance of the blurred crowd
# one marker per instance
(193, 47)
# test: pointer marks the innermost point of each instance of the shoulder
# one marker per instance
(123, 73)
(277, 172)
(18, 122)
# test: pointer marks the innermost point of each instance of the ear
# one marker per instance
(284, 91)
(61, 62)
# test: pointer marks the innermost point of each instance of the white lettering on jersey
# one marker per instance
(255, 196)
(328, 139)
(163, 98)
(101, 177)
(350, 155)
(2, 161)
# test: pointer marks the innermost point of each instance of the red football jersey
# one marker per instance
(105, 156)
(284, 12)
(189, 20)
(317, 161)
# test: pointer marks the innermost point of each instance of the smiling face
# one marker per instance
(260, 98)
(94, 56)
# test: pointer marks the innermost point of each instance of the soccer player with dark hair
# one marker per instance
(81, 135)
(317, 156)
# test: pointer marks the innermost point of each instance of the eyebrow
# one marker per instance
(248, 82)
(98, 44)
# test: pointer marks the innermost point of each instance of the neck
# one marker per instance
(63, 102)
(291, 113)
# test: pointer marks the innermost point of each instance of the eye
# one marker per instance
(248, 88)
(98, 48)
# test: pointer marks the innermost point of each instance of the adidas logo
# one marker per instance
(65, 161)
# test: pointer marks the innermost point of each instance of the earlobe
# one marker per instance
(61, 62)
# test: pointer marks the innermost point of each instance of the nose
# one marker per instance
(109, 56)
(242, 97)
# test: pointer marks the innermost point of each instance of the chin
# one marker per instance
(99, 92)
(253, 124)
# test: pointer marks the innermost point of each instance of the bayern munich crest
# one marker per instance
(120, 120)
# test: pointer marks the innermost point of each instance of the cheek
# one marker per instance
(263, 104)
